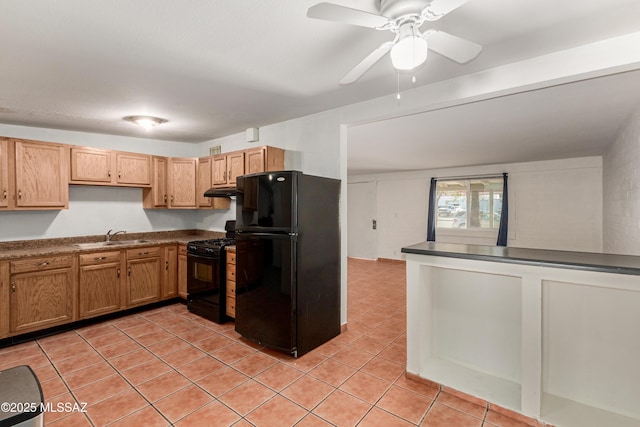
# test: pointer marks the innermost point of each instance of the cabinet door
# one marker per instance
(143, 280)
(41, 175)
(182, 183)
(157, 196)
(204, 181)
(4, 173)
(133, 169)
(98, 289)
(255, 161)
(182, 271)
(170, 276)
(41, 299)
(235, 167)
(219, 171)
(91, 165)
(4, 299)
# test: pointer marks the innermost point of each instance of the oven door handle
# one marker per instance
(201, 257)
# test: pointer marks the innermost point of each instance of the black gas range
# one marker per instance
(206, 275)
(210, 247)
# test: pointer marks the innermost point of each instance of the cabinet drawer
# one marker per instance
(99, 257)
(231, 307)
(182, 249)
(231, 257)
(143, 252)
(231, 272)
(231, 289)
(36, 264)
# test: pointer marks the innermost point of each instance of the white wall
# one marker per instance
(552, 205)
(621, 181)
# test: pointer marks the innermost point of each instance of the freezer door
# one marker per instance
(265, 289)
(266, 202)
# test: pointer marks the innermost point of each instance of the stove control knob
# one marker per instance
(209, 250)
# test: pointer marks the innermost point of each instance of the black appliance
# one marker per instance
(287, 260)
(206, 275)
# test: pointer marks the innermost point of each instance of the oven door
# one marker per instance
(203, 276)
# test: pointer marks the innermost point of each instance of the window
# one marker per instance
(471, 204)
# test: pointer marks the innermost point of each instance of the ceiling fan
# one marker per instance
(403, 18)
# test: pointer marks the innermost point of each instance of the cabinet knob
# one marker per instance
(100, 258)
(118, 272)
(4, 194)
(19, 194)
(109, 174)
(165, 198)
(119, 174)
(13, 287)
(129, 271)
(166, 265)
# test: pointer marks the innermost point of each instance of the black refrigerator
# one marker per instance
(287, 260)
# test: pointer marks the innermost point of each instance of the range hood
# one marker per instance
(225, 193)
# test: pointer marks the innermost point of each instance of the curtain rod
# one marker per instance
(452, 178)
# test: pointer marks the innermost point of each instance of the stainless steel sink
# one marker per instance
(96, 245)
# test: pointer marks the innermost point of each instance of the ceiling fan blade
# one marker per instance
(366, 63)
(438, 8)
(347, 15)
(455, 48)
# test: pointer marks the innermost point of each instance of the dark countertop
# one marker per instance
(69, 245)
(590, 261)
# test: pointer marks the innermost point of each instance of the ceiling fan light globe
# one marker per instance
(409, 53)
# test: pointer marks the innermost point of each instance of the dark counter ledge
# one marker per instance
(588, 261)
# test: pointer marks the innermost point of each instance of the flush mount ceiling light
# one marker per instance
(147, 122)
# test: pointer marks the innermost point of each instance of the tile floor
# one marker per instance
(169, 367)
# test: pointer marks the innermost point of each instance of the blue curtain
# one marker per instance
(504, 215)
(431, 220)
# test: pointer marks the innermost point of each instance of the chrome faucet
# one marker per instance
(109, 235)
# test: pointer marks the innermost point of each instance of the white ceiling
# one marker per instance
(571, 120)
(216, 67)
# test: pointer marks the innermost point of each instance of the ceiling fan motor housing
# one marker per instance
(396, 8)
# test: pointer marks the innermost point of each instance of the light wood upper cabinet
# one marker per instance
(205, 181)
(227, 167)
(96, 166)
(264, 159)
(157, 196)
(4, 173)
(41, 175)
(133, 169)
(182, 180)
(90, 165)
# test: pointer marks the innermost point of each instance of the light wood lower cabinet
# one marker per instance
(4, 299)
(170, 272)
(41, 293)
(231, 281)
(182, 271)
(99, 284)
(144, 271)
